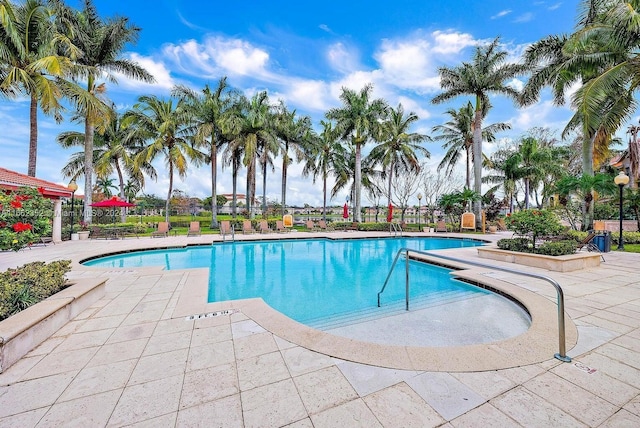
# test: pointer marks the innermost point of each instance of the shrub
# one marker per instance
(29, 284)
(535, 223)
(524, 245)
(557, 248)
(25, 216)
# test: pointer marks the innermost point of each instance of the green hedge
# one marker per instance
(525, 245)
(29, 284)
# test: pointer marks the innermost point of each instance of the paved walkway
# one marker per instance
(127, 361)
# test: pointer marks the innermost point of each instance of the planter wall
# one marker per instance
(567, 263)
(22, 332)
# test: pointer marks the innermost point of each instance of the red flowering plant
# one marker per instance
(25, 216)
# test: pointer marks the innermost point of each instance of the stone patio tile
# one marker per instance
(622, 419)
(164, 421)
(301, 360)
(201, 386)
(167, 343)
(486, 384)
(532, 411)
(226, 412)
(625, 355)
(119, 351)
(447, 395)
(483, 416)
(212, 322)
(119, 306)
(69, 328)
(614, 315)
(627, 341)
(323, 389)
(244, 328)
(156, 297)
(283, 344)
(520, 375)
(210, 335)
(261, 370)
(353, 414)
(84, 340)
(172, 326)
(102, 323)
(93, 380)
(32, 394)
(367, 379)
(400, 406)
(132, 332)
(89, 411)
(609, 325)
(26, 419)
(143, 317)
(61, 362)
(147, 400)
(254, 345)
(211, 355)
(614, 368)
(272, 405)
(19, 369)
(583, 405)
(159, 366)
(47, 346)
(633, 406)
(589, 338)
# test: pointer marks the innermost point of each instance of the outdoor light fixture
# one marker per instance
(419, 200)
(73, 187)
(621, 180)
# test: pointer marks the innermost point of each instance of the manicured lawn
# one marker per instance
(632, 248)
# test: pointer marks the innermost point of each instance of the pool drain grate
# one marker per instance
(211, 314)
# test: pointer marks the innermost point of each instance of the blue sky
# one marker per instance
(304, 53)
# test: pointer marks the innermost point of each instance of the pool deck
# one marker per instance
(131, 359)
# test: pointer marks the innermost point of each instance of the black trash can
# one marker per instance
(603, 241)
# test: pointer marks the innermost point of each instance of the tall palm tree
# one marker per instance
(357, 122)
(399, 148)
(487, 73)
(530, 161)
(293, 133)
(457, 135)
(633, 150)
(344, 173)
(249, 128)
(102, 43)
(162, 124)
(324, 155)
(208, 110)
(104, 185)
(32, 65)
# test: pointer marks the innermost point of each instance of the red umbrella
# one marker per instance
(345, 211)
(113, 202)
(390, 214)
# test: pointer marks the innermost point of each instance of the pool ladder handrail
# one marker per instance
(233, 235)
(561, 355)
(395, 228)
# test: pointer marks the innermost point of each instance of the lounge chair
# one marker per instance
(225, 228)
(280, 227)
(96, 232)
(162, 231)
(322, 225)
(441, 226)
(588, 242)
(264, 227)
(501, 224)
(247, 227)
(311, 226)
(354, 227)
(194, 229)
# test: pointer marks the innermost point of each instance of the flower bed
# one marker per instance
(566, 263)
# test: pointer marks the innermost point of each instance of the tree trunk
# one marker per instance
(324, 198)
(526, 193)
(477, 160)
(214, 181)
(123, 213)
(234, 190)
(468, 180)
(166, 205)
(389, 194)
(33, 136)
(88, 170)
(264, 188)
(587, 169)
(285, 166)
(357, 184)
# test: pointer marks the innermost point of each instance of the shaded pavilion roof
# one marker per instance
(12, 180)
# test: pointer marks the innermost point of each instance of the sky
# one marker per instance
(303, 53)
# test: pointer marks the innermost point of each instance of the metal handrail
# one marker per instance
(395, 228)
(561, 355)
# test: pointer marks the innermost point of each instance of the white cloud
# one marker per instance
(341, 58)
(555, 6)
(517, 84)
(525, 17)
(451, 42)
(501, 14)
(325, 27)
(312, 94)
(158, 70)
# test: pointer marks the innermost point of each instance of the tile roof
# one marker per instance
(12, 180)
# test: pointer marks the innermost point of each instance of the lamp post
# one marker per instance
(73, 187)
(419, 200)
(621, 180)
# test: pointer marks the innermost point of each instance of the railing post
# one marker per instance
(406, 278)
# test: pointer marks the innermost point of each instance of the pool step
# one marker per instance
(389, 308)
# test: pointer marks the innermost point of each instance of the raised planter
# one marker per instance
(566, 263)
(22, 332)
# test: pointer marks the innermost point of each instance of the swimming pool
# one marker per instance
(319, 282)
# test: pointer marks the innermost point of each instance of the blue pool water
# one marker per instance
(318, 282)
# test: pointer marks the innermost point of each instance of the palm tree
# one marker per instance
(357, 122)
(633, 150)
(457, 134)
(208, 110)
(104, 185)
(31, 64)
(583, 187)
(529, 162)
(344, 172)
(399, 148)
(101, 43)
(249, 128)
(487, 73)
(293, 133)
(323, 156)
(162, 124)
